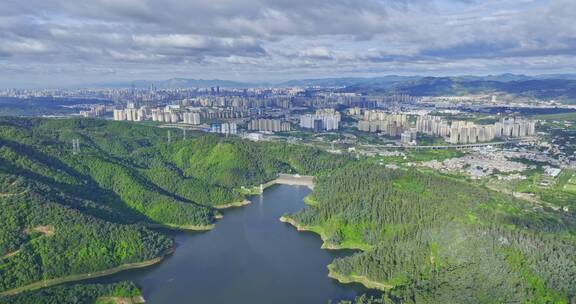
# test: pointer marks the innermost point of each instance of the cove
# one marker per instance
(249, 257)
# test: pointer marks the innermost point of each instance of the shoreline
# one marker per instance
(80, 277)
(323, 237)
(184, 227)
(331, 273)
(123, 300)
(319, 231)
(344, 279)
(293, 223)
(85, 276)
(233, 205)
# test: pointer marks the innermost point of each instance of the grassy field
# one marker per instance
(559, 116)
(560, 192)
(421, 156)
(570, 184)
(426, 155)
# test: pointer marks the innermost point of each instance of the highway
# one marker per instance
(411, 147)
(438, 147)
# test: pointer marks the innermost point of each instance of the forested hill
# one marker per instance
(433, 239)
(425, 238)
(64, 213)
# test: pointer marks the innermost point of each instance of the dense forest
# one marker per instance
(43, 237)
(66, 213)
(78, 294)
(428, 238)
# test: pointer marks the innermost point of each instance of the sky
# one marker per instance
(62, 42)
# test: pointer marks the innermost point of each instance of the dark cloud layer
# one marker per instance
(65, 42)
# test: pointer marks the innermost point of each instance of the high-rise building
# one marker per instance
(174, 117)
(225, 128)
(463, 132)
(364, 125)
(454, 135)
(142, 114)
(192, 118)
(131, 114)
(269, 125)
(408, 137)
(318, 125)
(379, 121)
(515, 128)
(233, 128)
(330, 119)
(119, 114)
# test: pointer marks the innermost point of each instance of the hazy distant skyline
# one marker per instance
(62, 42)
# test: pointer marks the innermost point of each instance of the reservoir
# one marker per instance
(249, 257)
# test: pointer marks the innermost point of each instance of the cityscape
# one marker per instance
(250, 151)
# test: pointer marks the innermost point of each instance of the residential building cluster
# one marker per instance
(323, 119)
(223, 114)
(433, 125)
(165, 115)
(224, 128)
(130, 114)
(392, 125)
(466, 132)
(169, 114)
(269, 125)
(95, 111)
(191, 118)
(513, 127)
(240, 102)
(408, 137)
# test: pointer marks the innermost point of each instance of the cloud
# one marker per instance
(283, 38)
(23, 46)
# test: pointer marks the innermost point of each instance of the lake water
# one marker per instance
(250, 257)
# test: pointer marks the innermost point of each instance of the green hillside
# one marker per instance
(432, 239)
(45, 237)
(80, 293)
(57, 206)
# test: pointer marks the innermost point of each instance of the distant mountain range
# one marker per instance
(560, 86)
(347, 81)
(380, 82)
(544, 88)
(551, 86)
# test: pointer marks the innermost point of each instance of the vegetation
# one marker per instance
(78, 294)
(433, 239)
(66, 214)
(424, 238)
(44, 238)
(558, 191)
(420, 155)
